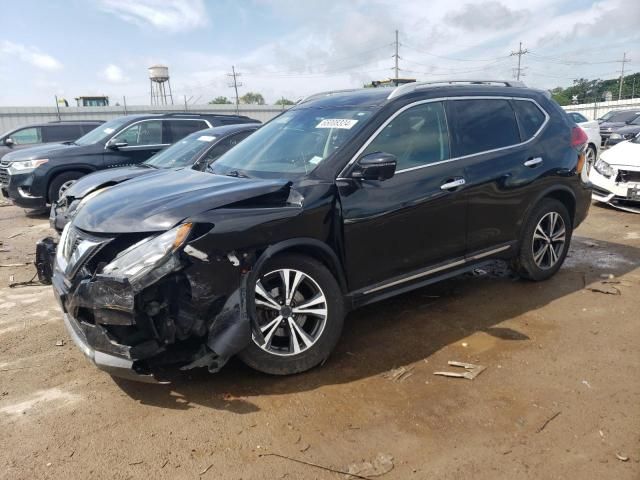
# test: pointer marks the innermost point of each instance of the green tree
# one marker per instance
(284, 101)
(252, 98)
(220, 101)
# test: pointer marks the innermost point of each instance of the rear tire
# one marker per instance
(545, 241)
(591, 157)
(295, 341)
(61, 183)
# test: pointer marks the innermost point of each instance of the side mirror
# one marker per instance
(9, 142)
(115, 145)
(375, 166)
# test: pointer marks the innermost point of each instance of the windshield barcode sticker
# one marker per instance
(345, 123)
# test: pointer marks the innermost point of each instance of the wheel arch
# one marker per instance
(84, 169)
(562, 193)
(310, 247)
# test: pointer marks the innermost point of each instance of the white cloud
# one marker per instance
(170, 15)
(30, 55)
(114, 74)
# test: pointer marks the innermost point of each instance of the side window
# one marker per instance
(530, 118)
(417, 137)
(27, 136)
(88, 128)
(61, 133)
(233, 140)
(576, 117)
(482, 125)
(181, 128)
(143, 133)
(216, 152)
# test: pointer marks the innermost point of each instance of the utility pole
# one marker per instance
(235, 85)
(396, 56)
(519, 53)
(58, 108)
(624, 60)
(124, 103)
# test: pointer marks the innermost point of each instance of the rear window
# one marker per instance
(531, 118)
(482, 125)
(61, 133)
(178, 129)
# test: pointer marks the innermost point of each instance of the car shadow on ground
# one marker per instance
(400, 331)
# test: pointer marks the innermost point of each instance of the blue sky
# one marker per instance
(292, 48)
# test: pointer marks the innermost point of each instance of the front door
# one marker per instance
(142, 140)
(412, 220)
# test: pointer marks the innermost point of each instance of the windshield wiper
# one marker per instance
(147, 165)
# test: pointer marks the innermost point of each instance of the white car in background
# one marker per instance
(616, 176)
(592, 129)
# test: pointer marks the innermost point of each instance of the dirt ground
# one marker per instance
(560, 397)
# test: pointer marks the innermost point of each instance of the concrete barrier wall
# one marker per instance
(11, 117)
(595, 110)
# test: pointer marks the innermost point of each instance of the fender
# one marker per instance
(545, 193)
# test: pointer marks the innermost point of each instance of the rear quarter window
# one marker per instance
(483, 124)
(530, 118)
(61, 133)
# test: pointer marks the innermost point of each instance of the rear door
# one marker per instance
(408, 222)
(142, 139)
(502, 160)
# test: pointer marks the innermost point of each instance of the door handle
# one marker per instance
(453, 184)
(533, 162)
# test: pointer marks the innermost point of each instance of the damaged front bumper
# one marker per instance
(180, 316)
(621, 195)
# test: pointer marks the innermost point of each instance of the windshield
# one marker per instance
(623, 116)
(102, 132)
(292, 144)
(183, 153)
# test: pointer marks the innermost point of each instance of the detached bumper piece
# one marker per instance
(45, 258)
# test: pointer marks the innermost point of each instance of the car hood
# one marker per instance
(625, 154)
(628, 129)
(612, 125)
(158, 202)
(45, 150)
(104, 178)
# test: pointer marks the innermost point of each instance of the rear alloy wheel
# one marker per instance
(299, 312)
(545, 241)
(590, 157)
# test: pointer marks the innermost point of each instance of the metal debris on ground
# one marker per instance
(472, 371)
(622, 458)
(381, 464)
(606, 288)
(398, 374)
(60, 343)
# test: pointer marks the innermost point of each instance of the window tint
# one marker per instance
(482, 125)
(181, 128)
(143, 133)
(576, 117)
(531, 118)
(61, 133)
(416, 137)
(27, 136)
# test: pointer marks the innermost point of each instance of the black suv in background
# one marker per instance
(622, 125)
(345, 199)
(37, 176)
(51, 132)
(196, 151)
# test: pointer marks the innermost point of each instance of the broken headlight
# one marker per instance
(153, 254)
(603, 168)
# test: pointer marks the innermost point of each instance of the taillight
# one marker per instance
(578, 138)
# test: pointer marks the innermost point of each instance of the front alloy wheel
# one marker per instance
(292, 311)
(299, 309)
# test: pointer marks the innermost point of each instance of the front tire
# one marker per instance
(300, 311)
(61, 183)
(545, 241)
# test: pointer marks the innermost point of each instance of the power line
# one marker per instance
(235, 85)
(519, 53)
(451, 58)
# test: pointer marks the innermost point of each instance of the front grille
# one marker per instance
(628, 176)
(4, 176)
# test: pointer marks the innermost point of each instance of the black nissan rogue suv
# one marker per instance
(345, 199)
(37, 176)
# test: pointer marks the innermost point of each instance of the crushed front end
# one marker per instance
(133, 302)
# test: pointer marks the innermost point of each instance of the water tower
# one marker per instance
(159, 81)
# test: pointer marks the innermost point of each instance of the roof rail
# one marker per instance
(76, 121)
(412, 87)
(193, 114)
(325, 94)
